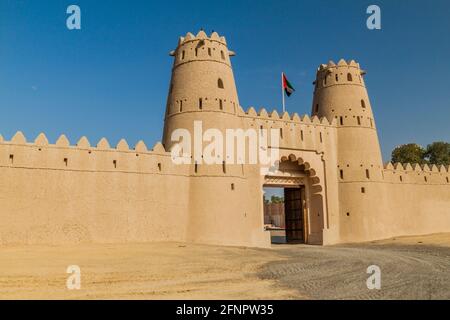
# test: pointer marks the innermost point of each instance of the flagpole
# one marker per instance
(282, 93)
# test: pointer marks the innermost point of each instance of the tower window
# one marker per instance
(181, 105)
(182, 55)
(281, 133)
(349, 77)
(325, 79)
(447, 179)
(220, 83)
(341, 173)
(200, 103)
(337, 78)
(341, 120)
(316, 109)
(425, 178)
(301, 135)
(11, 158)
(359, 120)
(196, 167)
(320, 135)
(363, 103)
(232, 186)
(224, 167)
(220, 104)
(222, 55)
(196, 51)
(159, 166)
(66, 161)
(363, 190)
(115, 164)
(401, 178)
(367, 174)
(209, 52)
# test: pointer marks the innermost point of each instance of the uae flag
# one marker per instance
(288, 88)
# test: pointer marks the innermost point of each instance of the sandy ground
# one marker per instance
(411, 268)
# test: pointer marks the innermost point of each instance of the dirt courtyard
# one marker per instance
(411, 268)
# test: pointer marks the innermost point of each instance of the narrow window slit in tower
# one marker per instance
(301, 135)
(209, 52)
(320, 134)
(66, 161)
(232, 186)
(363, 103)
(220, 83)
(337, 78)
(220, 104)
(341, 173)
(359, 120)
(447, 179)
(349, 77)
(115, 164)
(222, 55)
(181, 105)
(348, 214)
(224, 167)
(401, 179)
(196, 167)
(425, 178)
(281, 133)
(11, 158)
(367, 174)
(363, 190)
(341, 120)
(200, 103)
(196, 51)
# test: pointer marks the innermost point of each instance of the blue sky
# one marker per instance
(111, 77)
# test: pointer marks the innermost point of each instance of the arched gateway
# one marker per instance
(301, 217)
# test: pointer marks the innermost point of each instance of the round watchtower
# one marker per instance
(202, 87)
(340, 93)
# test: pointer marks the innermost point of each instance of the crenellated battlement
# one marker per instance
(82, 156)
(201, 35)
(83, 143)
(416, 173)
(192, 48)
(342, 73)
(294, 117)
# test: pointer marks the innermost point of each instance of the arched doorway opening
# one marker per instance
(292, 203)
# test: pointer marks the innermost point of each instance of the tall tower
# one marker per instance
(202, 90)
(202, 87)
(340, 93)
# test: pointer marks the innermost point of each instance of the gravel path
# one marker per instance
(339, 272)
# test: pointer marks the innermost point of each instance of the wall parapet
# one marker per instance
(416, 173)
(263, 114)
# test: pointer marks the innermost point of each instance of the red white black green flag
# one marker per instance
(288, 88)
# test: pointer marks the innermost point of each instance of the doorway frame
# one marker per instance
(299, 181)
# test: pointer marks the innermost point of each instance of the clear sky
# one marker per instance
(111, 77)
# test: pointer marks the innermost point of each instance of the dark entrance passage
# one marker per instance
(293, 211)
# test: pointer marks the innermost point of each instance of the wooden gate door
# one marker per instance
(294, 215)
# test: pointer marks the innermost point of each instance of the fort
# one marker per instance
(329, 165)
